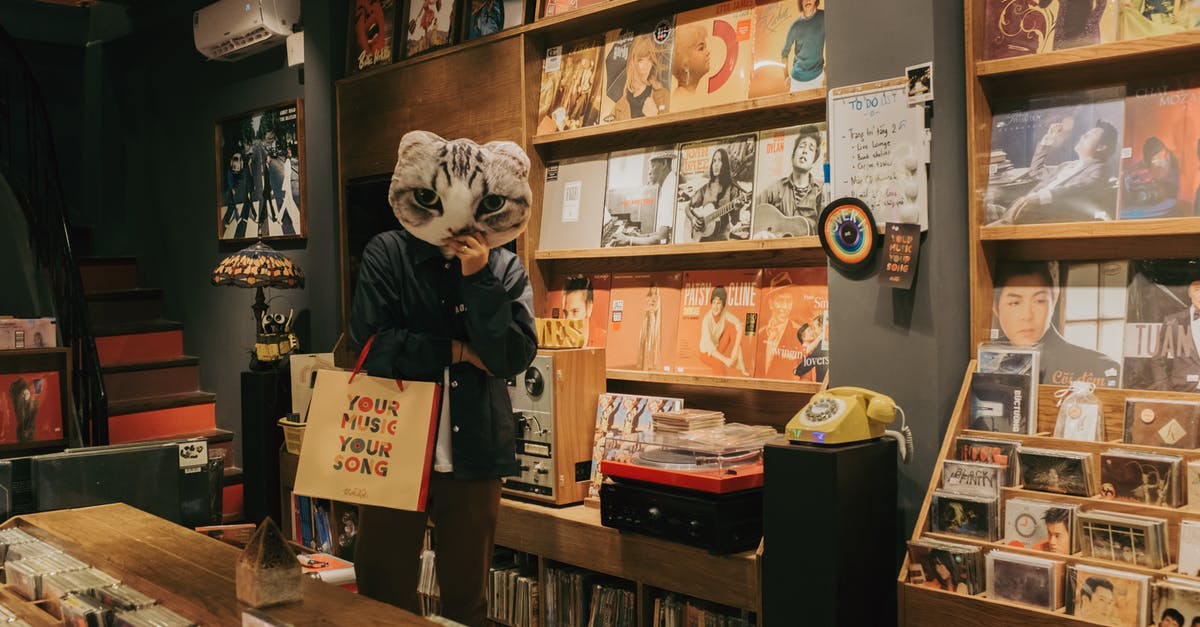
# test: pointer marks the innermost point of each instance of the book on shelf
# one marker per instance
(718, 322)
(711, 62)
(573, 203)
(582, 297)
(372, 38)
(642, 329)
(793, 320)
(791, 181)
(1014, 28)
(637, 70)
(716, 189)
(673, 610)
(639, 202)
(569, 97)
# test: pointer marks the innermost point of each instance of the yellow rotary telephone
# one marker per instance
(847, 414)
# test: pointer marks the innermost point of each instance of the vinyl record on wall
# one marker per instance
(849, 235)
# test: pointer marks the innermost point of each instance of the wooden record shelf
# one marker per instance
(1122, 239)
(736, 117)
(783, 252)
(733, 383)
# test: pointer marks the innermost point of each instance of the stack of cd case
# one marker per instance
(973, 478)
(1141, 477)
(26, 576)
(10, 537)
(1004, 390)
(963, 515)
(1040, 525)
(970, 448)
(1024, 579)
(1059, 472)
(1158, 422)
(58, 585)
(1123, 538)
(964, 563)
(84, 611)
(157, 616)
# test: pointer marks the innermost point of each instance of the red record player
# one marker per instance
(718, 461)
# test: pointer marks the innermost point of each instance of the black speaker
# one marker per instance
(829, 534)
(266, 397)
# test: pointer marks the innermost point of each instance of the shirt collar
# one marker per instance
(420, 251)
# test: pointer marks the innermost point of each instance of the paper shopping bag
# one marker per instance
(369, 440)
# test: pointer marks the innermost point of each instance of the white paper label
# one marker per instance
(1172, 432)
(571, 193)
(554, 59)
(193, 454)
(1126, 152)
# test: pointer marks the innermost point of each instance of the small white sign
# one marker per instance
(571, 195)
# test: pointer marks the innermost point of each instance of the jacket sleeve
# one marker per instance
(397, 352)
(500, 317)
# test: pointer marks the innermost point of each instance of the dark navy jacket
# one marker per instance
(414, 302)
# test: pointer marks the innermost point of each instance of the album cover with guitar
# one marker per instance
(582, 297)
(639, 204)
(716, 189)
(642, 327)
(718, 322)
(793, 320)
(790, 187)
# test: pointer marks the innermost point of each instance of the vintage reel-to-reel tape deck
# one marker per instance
(554, 409)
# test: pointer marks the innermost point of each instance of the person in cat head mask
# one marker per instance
(445, 303)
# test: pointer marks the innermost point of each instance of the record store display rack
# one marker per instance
(1028, 96)
(476, 90)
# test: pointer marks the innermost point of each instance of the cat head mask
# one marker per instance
(442, 189)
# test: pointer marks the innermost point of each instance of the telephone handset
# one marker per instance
(847, 414)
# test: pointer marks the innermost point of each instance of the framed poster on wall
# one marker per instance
(34, 401)
(261, 174)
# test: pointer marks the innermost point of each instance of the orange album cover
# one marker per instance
(711, 62)
(718, 322)
(642, 325)
(792, 324)
(582, 297)
(789, 47)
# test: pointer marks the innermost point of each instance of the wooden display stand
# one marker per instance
(187, 572)
(990, 82)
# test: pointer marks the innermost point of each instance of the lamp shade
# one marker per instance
(258, 266)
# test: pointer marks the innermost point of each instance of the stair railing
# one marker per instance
(29, 164)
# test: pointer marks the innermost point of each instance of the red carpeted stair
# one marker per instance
(153, 388)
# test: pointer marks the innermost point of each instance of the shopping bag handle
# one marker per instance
(362, 356)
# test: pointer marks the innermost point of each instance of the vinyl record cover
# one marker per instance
(18, 333)
(643, 322)
(932, 566)
(372, 38)
(1056, 471)
(1056, 159)
(573, 203)
(558, 7)
(1170, 599)
(1189, 548)
(1023, 579)
(430, 24)
(639, 204)
(718, 322)
(572, 79)
(1160, 167)
(1074, 312)
(963, 515)
(790, 185)
(789, 46)
(716, 189)
(988, 450)
(972, 478)
(1147, 18)
(793, 319)
(637, 71)
(622, 414)
(1174, 424)
(485, 17)
(1145, 479)
(582, 297)
(999, 403)
(711, 62)
(1040, 525)
(1015, 28)
(30, 407)
(1160, 351)
(1107, 596)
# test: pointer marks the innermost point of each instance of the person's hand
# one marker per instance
(467, 355)
(471, 250)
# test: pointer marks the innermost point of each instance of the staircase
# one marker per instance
(153, 388)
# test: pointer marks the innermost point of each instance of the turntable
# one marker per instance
(702, 488)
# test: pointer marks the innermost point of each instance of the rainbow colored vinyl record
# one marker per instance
(849, 235)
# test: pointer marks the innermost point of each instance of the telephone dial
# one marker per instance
(847, 414)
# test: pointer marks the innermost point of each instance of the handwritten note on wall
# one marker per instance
(881, 151)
